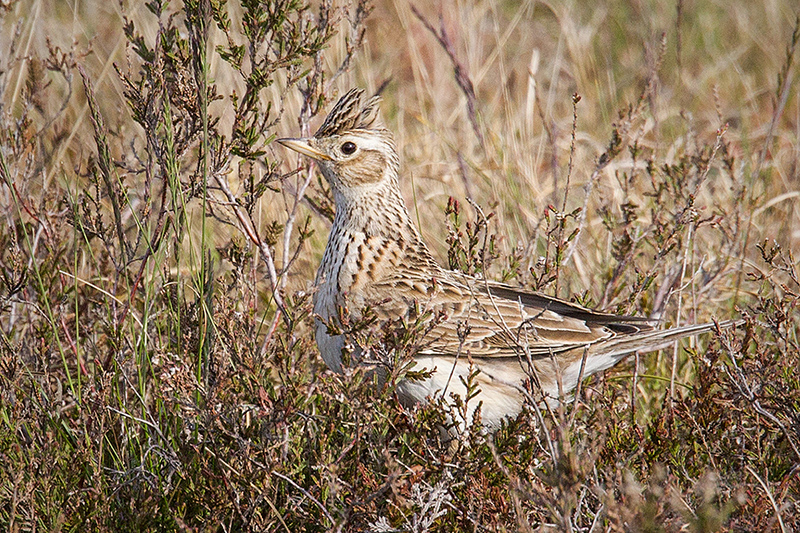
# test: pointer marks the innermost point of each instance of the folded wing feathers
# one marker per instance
(503, 321)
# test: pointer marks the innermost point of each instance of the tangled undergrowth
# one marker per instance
(157, 364)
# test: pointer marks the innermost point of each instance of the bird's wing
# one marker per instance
(488, 319)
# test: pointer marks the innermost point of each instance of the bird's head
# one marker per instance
(353, 150)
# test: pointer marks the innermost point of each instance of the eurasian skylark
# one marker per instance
(375, 257)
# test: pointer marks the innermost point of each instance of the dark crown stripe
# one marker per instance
(349, 114)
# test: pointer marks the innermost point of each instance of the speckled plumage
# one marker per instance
(375, 256)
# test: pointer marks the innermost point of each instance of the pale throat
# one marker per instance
(371, 209)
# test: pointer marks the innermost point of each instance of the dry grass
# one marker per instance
(157, 370)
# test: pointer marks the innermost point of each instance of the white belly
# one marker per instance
(501, 391)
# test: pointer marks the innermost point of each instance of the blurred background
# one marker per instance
(158, 251)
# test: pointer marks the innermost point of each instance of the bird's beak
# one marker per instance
(304, 147)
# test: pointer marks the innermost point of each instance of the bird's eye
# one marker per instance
(348, 148)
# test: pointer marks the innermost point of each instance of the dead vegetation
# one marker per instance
(157, 367)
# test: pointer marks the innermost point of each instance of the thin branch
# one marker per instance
(460, 71)
(784, 91)
(307, 495)
(769, 495)
(246, 227)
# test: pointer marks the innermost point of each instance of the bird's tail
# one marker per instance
(653, 340)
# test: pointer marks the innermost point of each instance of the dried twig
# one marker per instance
(462, 77)
(784, 90)
(307, 495)
(769, 496)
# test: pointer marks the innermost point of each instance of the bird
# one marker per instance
(489, 334)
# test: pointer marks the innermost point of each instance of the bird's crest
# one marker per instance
(350, 114)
